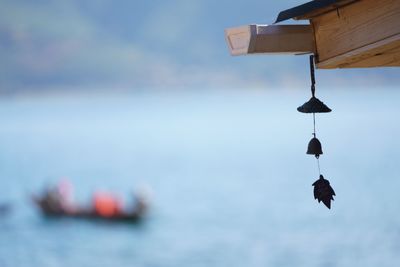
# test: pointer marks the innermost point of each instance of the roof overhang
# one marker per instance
(344, 33)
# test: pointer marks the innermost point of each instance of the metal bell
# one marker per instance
(314, 105)
(314, 147)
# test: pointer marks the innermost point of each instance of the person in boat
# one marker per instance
(57, 199)
(140, 202)
(106, 205)
(65, 192)
(51, 201)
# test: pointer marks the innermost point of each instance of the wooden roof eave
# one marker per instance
(343, 33)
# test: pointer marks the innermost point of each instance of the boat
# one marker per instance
(52, 205)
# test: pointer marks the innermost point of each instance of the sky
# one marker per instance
(126, 44)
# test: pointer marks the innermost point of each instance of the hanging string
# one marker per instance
(314, 133)
(312, 75)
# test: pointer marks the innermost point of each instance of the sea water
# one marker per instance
(227, 173)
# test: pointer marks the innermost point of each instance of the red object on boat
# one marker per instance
(107, 205)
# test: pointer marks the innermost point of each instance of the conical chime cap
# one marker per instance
(314, 147)
(314, 105)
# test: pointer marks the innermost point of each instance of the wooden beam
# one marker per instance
(362, 34)
(270, 39)
(380, 54)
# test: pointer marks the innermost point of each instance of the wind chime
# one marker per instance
(322, 189)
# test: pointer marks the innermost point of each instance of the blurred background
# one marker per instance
(120, 95)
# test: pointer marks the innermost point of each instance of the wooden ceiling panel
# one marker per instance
(380, 54)
(357, 31)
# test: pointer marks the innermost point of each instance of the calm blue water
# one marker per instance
(230, 181)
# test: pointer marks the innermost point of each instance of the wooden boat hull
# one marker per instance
(87, 214)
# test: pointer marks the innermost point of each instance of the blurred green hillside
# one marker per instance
(103, 44)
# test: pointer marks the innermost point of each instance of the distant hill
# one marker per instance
(146, 44)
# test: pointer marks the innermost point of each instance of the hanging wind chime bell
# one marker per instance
(322, 189)
(314, 147)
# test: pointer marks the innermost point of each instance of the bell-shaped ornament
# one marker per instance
(314, 105)
(314, 147)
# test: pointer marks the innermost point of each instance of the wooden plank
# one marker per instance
(380, 54)
(389, 58)
(270, 39)
(354, 26)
